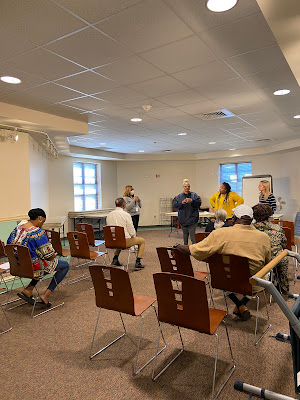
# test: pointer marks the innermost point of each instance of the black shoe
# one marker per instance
(116, 263)
(138, 266)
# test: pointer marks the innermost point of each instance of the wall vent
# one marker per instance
(223, 113)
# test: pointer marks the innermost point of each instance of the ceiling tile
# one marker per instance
(27, 80)
(166, 113)
(130, 70)
(182, 98)
(52, 92)
(238, 100)
(30, 20)
(120, 96)
(200, 107)
(85, 103)
(270, 77)
(209, 73)
(159, 86)
(187, 53)
(95, 10)
(229, 87)
(89, 48)
(88, 82)
(134, 26)
(43, 64)
(23, 100)
(253, 33)
(11, 45)
(258, 60)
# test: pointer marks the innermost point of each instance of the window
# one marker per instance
(234, 173)
(85, 186)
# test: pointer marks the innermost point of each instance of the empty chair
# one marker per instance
(182, 302)
(21, 266)
(54, 239)
(114, 237)
(89, 230)
(113, 292)
(231, 273)
(79, 248)
(2, 251)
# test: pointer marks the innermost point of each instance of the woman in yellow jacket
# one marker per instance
(225, 199)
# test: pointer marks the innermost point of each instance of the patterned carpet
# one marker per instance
(48, 357)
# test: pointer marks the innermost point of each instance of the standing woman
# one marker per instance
(226, 199)
(265, 195)
(188, 204)
(133, 205)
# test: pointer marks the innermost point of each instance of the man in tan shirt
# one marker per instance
(242, 239)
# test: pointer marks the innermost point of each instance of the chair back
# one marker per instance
(288, 235)
(89, 230)
(199, 236)
(54, 239)
(287, 224)
(114, 237)
(174, 261)
(2, 251)
(79, 245)
(182, 301)
(112, 289)
(230, 273)
(19, 260)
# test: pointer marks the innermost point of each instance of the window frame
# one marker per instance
(239, 192)
(84, 185)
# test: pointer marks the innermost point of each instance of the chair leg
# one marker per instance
(104, 348)
(256, 322)
(10, 327)
(81, 277)
(154, 377)
(216, 359)
(135, 370)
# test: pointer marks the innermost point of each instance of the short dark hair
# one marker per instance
(262, 212)
(119, 202)
(34, 213)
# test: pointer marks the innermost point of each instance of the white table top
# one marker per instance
(54, 222)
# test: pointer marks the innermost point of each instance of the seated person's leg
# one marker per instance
(141, 244)
(115, 260)
(61, 269)
(241, 310)
(26, 293)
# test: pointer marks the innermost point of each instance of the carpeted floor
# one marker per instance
(48, 357)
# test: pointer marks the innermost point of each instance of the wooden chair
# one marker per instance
(54, 239)
(21, 267)
(89, 230)
(182, 302)
(2, 250)
(79, 248)
(288, 234)
(114, 237)
(231, 273)
(288, 224)
(113, 291)
(199, 236)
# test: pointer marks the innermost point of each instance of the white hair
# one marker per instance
(220, 218)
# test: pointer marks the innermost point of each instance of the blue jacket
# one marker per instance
(188, 214)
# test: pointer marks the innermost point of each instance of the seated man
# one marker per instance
(241, 240)
(119, 217)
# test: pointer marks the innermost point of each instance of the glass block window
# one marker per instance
(233, 173)
(85, 186)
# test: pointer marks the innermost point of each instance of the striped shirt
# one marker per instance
(270, 201)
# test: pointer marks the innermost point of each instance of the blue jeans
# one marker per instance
(61, 269)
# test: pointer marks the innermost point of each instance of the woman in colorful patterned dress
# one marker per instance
(42, 254)
(261, 213)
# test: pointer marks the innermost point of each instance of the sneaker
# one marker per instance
(116, 263)
(132, 249)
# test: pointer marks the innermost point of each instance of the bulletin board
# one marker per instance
(250, 188)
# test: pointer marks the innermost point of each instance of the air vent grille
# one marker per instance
(262, 140)
(216, 114)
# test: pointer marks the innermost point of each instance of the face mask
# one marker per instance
(132, 192)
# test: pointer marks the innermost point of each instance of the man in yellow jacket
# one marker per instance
(226, 199)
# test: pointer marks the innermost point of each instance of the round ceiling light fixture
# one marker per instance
(281, 92)
(296, 116)
(10, 79)
(182, 134)
(212, 142)
(141, 151)
(220, 5)
(136, 119)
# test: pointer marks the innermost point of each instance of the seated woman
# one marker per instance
(42, 254)
(219, 222)
(261, 213)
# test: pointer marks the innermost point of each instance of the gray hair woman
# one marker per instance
(220, 221)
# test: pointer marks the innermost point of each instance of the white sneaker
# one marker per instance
(132, 249)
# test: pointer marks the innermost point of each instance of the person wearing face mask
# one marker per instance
(30, 234)
(133, 205)
(188, 204)
(225, 199)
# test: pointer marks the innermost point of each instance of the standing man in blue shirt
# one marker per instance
(188, 204)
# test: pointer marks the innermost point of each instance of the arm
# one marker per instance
(177, 203)
(129, 226)
(272, 202)
(238, 199)
(213, 199)
(196, 201)
(130, 203)
(44, 248)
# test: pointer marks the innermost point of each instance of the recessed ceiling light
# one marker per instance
(212, 142)
(220, 5)
(232, 149)
(141, 151)
(102, 144)
(182, 134)
(136, 119)
(297, 116)
(281, 92)
(10, 79)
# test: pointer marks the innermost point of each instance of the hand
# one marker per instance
(136, 198)
(183, 201)
(184, 249)
(188, 200)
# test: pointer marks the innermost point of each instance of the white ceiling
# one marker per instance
(100, 61)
